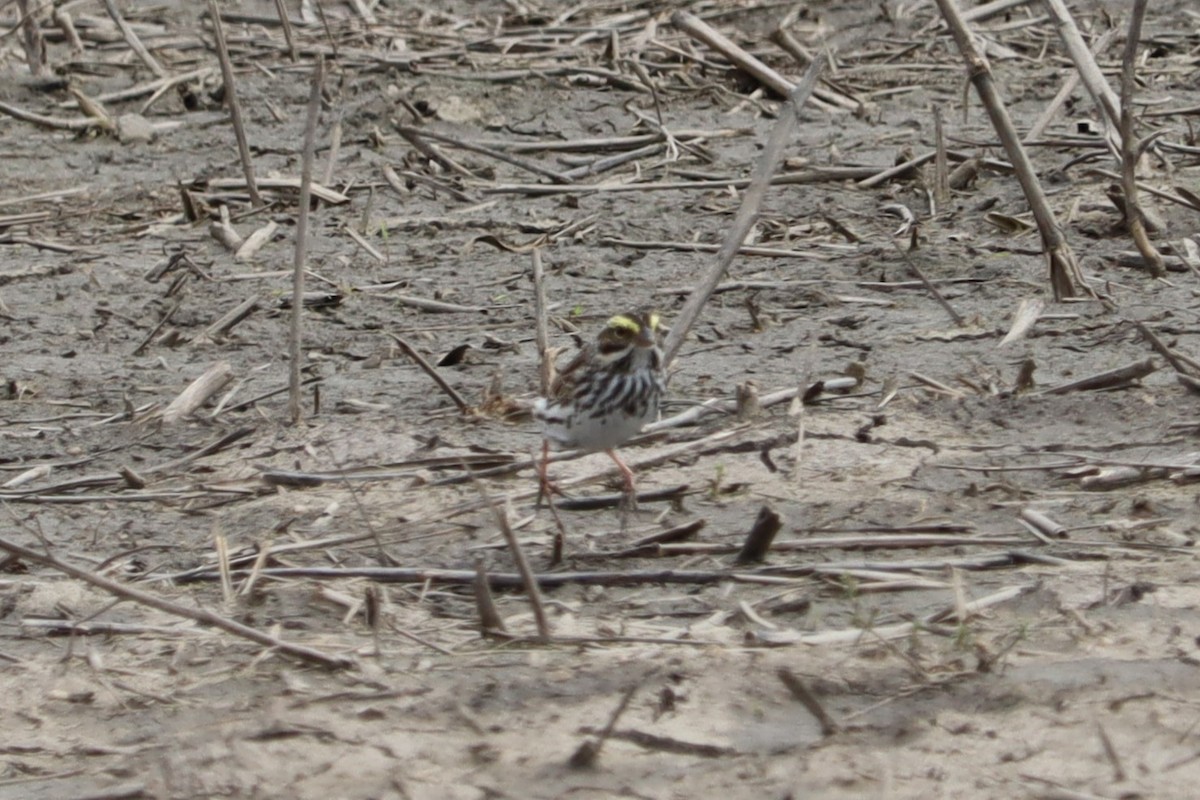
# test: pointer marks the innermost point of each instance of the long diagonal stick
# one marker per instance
(200, 615)
(1066, 278)
(747, 213)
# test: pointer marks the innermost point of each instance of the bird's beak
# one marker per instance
(646, 334)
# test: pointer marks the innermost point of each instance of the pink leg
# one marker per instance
(626, 472)
(546, 489)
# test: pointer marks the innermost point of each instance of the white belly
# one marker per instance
(567, 428)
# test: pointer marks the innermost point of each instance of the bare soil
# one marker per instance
(972, 659)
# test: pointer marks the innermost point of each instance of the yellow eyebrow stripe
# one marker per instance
(625, 323)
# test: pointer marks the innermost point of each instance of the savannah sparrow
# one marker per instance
(607, 393)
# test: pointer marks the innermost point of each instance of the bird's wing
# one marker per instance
(564, 382)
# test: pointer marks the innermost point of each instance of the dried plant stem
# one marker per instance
(546, 368)
(747, 212)
(1119, 376)
(306, 168)
(335, 150)
(431, 371)
(1110, 752)
(133, 41)
(410, 133)
(699, 29)
(431, 151)
(588, 752)
(804, 695)
(490, 620)
(1066, 279)
(197, 392)
(1069, 86)
(1183, 365)
(929, 286)
(822, 94)
(62, 18)
(1130, 148)
(528, 579)
(941, 168)
(231, 99)
(162, 604)
(758, 540)
(286, 23)
(1093, 79)
(60, 123)
(31, 38)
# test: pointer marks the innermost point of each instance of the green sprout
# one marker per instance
(714, 485)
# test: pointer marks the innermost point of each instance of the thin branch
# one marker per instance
(528, 579)
(301, 256)
(198, 614)
(31, 38)
(431, 371)
(698, 29)
(1066, 278)
(1093, 79)
(1069, 85)
(1135, 222)
(804, 695)
(133, 41)
(231, 99)
(286, 23)
(410, 133)
(746, 214)
(542, 335)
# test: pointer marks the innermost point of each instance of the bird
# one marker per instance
(607, 392)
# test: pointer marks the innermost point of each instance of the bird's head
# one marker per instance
(624, 331)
